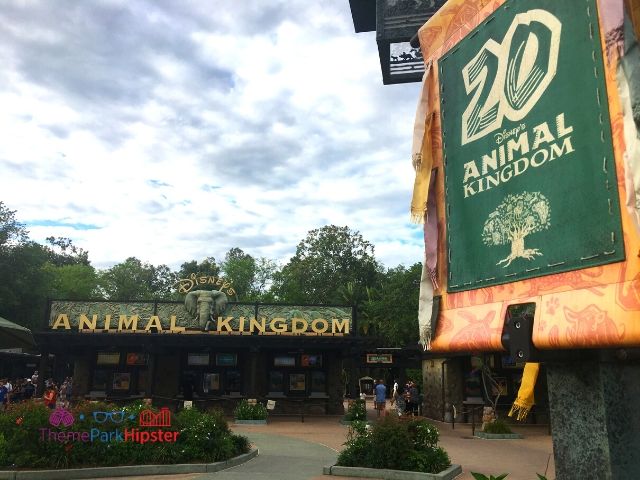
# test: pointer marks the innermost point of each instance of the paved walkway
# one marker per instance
(292, 450)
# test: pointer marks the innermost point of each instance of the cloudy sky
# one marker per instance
(173, 131)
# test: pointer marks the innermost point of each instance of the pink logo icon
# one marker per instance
(61, 416)
(161, 419)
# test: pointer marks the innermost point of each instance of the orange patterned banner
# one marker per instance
(592, 307)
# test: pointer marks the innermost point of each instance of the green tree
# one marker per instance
(365, 302)
(207, 267)
(62, 251)
(163, 282)
(25, 284)
(30, 271)
(135, 280)
(249, 276)
(12, 232)
(239, 268)
(266, 270)
(325, 261)
(72, 282)
(394, 311)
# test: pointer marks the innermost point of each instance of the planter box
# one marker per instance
(127, 470)
(498, 436)
(250, 422)
(450, 473)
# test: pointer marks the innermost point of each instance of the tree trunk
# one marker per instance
(517, 247)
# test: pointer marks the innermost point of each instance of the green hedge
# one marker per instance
(245, 411)
(203, 437)
(395, 444)
(497, 426)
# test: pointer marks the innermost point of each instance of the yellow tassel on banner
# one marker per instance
(421, 156)
(524, 402)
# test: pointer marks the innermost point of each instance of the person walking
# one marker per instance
(381, 396)
(68, 391)
(9, 386)
(50, 396)
(29, 389)
(394, 393)
(414, 398)
(4, 395)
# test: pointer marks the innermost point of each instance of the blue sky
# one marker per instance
(173, 131)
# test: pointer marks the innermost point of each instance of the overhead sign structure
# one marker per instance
(530, 179)
(174, 318)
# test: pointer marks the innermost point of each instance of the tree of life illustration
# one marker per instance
(516, 217)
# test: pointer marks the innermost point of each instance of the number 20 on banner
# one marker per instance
(507, 79)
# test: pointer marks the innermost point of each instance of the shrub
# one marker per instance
(393, 435)
(246, 411)
(497, 426)
(434, 459)
(424, 434)
(203, 437)
(395, 444)
(357, 411)
(358, 446)
(4, 452)
(241, 444)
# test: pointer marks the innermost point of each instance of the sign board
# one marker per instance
(379, 358)
(173, 317)
(530, 181)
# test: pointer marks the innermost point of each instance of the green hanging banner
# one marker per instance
(530, 180)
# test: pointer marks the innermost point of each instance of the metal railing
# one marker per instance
(471, 409)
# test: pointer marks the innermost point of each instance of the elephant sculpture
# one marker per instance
(205, 306)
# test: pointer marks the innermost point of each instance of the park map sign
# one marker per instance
(530, 184)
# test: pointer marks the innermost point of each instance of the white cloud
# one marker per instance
(179, 130)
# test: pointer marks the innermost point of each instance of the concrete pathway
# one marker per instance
(282, 458)
(293, 450)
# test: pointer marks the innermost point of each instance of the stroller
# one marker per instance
(401, 405)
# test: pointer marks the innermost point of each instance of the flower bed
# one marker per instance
(249, 413)
(100, 434)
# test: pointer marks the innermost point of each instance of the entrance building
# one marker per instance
(208, 354)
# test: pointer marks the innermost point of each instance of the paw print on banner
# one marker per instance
(552, 305)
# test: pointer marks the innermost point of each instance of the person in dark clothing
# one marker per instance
(187, 387)
(412, 398)
(414, 395)
(29, 390)
(4, 395)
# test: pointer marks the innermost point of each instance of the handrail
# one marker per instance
(465, 411)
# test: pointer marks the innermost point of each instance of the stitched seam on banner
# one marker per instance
(443, 131)
(596, 43)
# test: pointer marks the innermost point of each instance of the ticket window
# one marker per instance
(119, 374)
(210, 374)
(297, 376)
